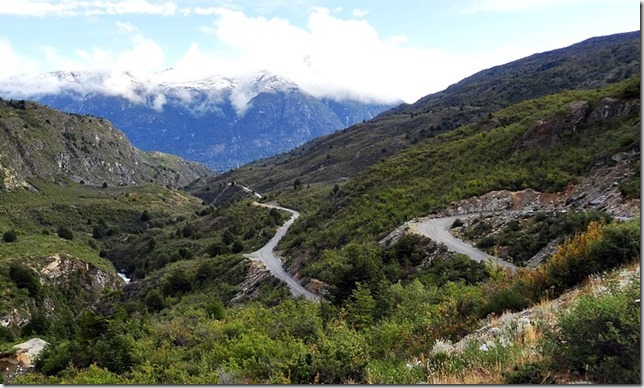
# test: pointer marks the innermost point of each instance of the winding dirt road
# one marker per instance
(438, 230)
(273, 262)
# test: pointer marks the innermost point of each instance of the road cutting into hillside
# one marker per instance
(272, 261)
(438, 230)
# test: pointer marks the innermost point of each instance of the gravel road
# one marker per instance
(274, 263)
(438, 230)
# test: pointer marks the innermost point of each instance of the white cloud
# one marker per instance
(329, 56)
(359, 13)
(12, 62)
(67, 8)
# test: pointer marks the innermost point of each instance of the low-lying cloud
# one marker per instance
(329, 57)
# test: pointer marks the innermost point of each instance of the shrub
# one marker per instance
(10, 236)
(215, 309)
(217, 248)
(506, 299)
(24, 277)
(145, 216)
(237, 247)
(569, 266)
(64, 232)
(99, 231)
(619, 244)
(178, 282)
(155, 300)
(601, 336)
(54, 359)
(531, 373)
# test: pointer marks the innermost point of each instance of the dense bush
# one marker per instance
(24, 277)
(459, 268)
(531, 373)
(601, 337)
(65, 232)
(619, 244)
(177, 283)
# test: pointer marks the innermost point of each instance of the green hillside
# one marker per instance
(46, 144)
(544, 144)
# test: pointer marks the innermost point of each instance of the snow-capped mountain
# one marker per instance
(222, 122)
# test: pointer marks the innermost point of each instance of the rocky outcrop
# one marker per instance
(61, 273)
(504, 200)
(249, 288)
(61, 267)
(21, 359)
(579, 114)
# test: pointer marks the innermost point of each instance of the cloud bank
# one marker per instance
(327, 57)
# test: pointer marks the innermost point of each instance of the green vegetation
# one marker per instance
(54, 146)
(471, 160)
(190, 336)
(526, 235)
(601, 337)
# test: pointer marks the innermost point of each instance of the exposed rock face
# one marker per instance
(551, 130)
(62, 271)
(493, 201)
(15, 318)
(249, 288)
(23, 358)
(61, 268)
(599, 191)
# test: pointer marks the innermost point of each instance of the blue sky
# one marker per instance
(378, 49)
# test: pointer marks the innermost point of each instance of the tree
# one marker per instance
(297, 185)
(228, 237)
(178, 282)
(155, 300)
(361, 307)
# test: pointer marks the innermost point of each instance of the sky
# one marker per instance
(371, 49)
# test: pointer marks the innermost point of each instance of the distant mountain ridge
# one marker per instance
(42, 143)
(222, 122)
(593, 63)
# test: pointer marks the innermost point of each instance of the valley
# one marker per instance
(488, 233)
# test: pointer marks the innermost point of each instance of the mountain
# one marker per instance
(222, 122)
(593, 63)
(42, 143)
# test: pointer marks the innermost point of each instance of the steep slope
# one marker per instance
(548, 144)
(38, 142)
(590, 64)
(222, 122)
